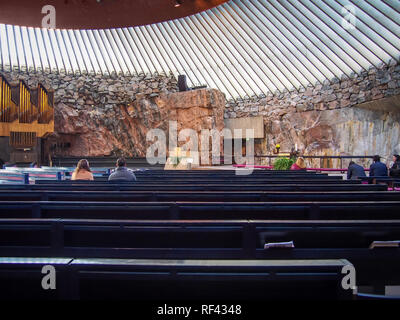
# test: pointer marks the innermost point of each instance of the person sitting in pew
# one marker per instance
(354, 171)
(299, 164)
(82, 171)
(378, 168)
(122, 173)
(395, 169)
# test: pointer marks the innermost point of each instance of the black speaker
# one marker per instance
(182, 83)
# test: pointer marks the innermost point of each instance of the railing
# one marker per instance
(321, 158)
(28, 175)
(344, 170)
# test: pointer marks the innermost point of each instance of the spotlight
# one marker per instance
(177, 3)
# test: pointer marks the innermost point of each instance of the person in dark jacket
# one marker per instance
(378, 169)
(122, 173)
(395, 169)
(354, 171)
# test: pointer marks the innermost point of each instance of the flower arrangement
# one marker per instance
(283, 163)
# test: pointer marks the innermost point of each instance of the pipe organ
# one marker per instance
(44, 105)
(26, 116)
(8, 108)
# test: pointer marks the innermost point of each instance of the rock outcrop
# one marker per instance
(122, 130)
(357, 131)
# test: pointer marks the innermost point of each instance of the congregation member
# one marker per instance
(378, 169)
(354, 171)
(300, 164)
(122, 173)
(82, 171)
(395, 169)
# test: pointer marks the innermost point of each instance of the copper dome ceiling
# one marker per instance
(100, 14)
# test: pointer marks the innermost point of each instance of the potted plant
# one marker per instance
(283, 163)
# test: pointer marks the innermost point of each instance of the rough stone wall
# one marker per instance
(92, 116)
(102, 92)
(330, 118)
(374, 84)
(122, 130)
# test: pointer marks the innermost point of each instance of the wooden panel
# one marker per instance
(24, 157)
(256, 123)
(40, 129)
(20, 140)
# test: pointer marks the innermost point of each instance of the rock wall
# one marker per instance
(94, 115)
(122, 129)
(374, 84)
(99, 115)
(332, 118)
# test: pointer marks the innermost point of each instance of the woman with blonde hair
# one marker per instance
(82, 171)
(300, 164)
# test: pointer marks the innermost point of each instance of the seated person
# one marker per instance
(299, 164)
(378, 169)
(395, 169)
(354, 171)
(122, 173)
(82, 171)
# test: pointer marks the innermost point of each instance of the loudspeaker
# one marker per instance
(182, 83)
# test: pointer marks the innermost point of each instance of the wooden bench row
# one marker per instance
(279, 186)
(172, 280)
(184, 181)
(234, 239)
(325, 210)
(198, 196)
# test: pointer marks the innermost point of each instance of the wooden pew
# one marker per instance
(204, 196)
(210, 180)
(21, 278)
(202, 179)
(325, 210)
(189, 280)
(233, 239)
(199, 187)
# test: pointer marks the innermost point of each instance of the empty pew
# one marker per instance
(203, 196)
(329, 210)
(234, 239)
(189, 280)
(21, 278)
